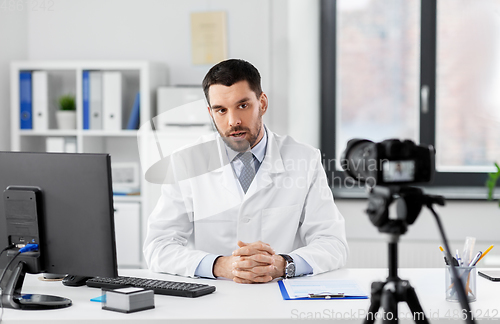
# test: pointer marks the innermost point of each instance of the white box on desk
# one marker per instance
(128, 300)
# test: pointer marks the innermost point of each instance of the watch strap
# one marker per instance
(287, 258)
(289, 264)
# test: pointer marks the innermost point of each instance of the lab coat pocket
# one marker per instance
(279, 226)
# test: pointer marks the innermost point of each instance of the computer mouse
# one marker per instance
(74, 281)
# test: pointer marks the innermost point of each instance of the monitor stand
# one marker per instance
(13, 298)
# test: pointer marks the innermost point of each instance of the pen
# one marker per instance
(485, 252)
(476, 258)
(454, 261)
(445, 258)
(327, 296)
(458, 258)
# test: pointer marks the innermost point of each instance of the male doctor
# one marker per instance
(260, 208)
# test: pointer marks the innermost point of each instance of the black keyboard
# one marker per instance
(162, 287)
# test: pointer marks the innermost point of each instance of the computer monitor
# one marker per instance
(64, 203)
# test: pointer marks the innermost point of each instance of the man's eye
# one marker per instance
(221, 111)
(243, 105)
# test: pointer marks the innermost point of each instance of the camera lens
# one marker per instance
(359, 160)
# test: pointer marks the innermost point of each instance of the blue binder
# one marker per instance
(86, 100)
(133, 121)
(25, 100)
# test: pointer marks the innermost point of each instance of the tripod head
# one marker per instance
(409, 202)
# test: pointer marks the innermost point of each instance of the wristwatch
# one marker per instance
(289, 266)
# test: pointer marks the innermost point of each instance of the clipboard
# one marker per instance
(284, 294)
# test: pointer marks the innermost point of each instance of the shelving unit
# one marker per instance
(123, 145)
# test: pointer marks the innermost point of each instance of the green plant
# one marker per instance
(67, 102)
(492, 181)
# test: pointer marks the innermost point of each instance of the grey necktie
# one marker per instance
(248, 171)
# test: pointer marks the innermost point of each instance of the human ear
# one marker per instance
(263, 103)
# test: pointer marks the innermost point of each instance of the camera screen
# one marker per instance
(398, 171)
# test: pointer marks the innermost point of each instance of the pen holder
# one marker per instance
(468, 276)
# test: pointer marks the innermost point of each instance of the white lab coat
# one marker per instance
(288, 205)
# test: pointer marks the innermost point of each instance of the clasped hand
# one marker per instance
(251, 263)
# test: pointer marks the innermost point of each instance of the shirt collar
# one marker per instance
(259, 150)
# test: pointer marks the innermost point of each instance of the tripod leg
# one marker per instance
(376, 294)
(413, 303)
(390, 303)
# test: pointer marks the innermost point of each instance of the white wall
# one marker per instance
(13, 45)
(278, 113)
(304, 71)
(159, 30)
(156, 30)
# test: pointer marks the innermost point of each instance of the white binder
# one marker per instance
(95, 100)
(112, 100)
(40, 101)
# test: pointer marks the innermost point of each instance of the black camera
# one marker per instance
(391, 162)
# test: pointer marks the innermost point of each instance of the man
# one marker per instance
(260, 208)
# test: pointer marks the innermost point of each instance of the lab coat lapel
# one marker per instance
(272, 164)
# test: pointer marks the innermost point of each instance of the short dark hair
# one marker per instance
(231, 71)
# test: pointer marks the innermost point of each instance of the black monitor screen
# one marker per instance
(76, 222)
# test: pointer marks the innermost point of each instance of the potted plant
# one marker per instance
(66, 115)
(492, 181)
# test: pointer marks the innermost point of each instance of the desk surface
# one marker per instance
(233, 302)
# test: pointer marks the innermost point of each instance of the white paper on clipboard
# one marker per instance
(303, 288)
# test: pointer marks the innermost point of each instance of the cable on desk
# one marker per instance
(464, 303)
(7, 248)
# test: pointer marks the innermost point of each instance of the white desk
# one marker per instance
(236, 303)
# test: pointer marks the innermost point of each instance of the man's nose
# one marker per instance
(234, 118)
